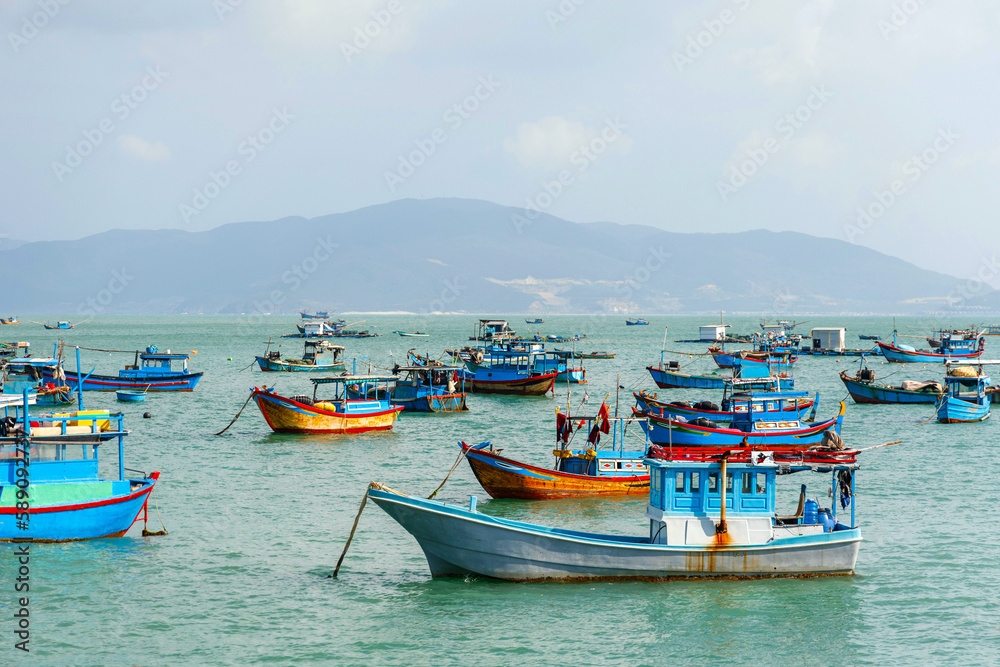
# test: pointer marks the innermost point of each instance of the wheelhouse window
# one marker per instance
(713, 482)
(695, 482)
(679, 482)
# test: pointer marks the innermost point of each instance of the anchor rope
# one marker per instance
(350, 537)
(461, 455)
(237, 415)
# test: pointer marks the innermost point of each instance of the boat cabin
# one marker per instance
(712, 332)
(967, 382)
(494, 330)
(321, 352)
(613, 460)
(155, 364)
(721, 503)
(745, 407)
(958, 343)
(353, 393)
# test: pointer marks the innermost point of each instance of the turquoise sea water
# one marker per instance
(257, 521)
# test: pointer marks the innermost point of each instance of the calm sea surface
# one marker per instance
(256, 522)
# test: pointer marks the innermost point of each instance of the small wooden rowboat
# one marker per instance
(301, 414)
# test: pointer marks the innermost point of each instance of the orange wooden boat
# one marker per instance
(300, 414)
(595, 471)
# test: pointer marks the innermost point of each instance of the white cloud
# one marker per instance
(140, 149)
(551, 142)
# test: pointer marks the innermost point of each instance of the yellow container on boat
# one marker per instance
(102, 424)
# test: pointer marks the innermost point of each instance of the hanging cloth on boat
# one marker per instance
(602, 418)
(563, 427)
(595, 436)
(844, 482)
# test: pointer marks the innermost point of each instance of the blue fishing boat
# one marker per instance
(531, 355)
(774, 360)
(501, 373)
(868, 337)
(67, 499)
(668, 375)
(863, 388)
(318, 356)
(637, 322)
(713, 516)
(535, 321)
(156, 373)
(429, 389)
(772, 434)
(763, 409)
(28, 373)
(966, 399)
(959, 348)
(318, 315)
(494, 331)
(411, 334)
(62, 324)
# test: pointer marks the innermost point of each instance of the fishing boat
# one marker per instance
(411, 334)
(318, 356)
(763, 409)
(638, 322)
(585, 471)
(868, 337)
(960, 348)
(667, 375)
(509, 371)
(151, 371)
(62, 324)
(67, 499)
(535, 321)
(28, 373)
(780, 361)
(493, 331)
(534, 355)
(318, 315)
(316, 329)
(10, 320)
(965, 399)
(743, 431)
(596, 354)
(339, 414)
(425, 388)
(713, 516)
(864, 389)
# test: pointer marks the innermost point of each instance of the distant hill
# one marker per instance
(459, 255)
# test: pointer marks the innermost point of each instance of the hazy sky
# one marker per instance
(724, 115)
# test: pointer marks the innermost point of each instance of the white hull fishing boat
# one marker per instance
(692, 532)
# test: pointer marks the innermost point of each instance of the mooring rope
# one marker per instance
(156, 506)
(461, 455)
(937, 405)
(237, 415)
(336, 570)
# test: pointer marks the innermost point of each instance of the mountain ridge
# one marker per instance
(464, 255)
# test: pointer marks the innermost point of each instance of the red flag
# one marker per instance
(602, 418)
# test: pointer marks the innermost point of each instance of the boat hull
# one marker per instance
(896, 355)
(537, 385)
(178, 382)
(284, 415)
(863, 392)
(956, 411)
(431, 403)
(505, 478)
(779, 436)
(66, 522)
(271, 365)
(457, 542)
(665, 379)
(661, 408)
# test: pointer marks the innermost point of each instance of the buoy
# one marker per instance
(147, 415)
(229, 359)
